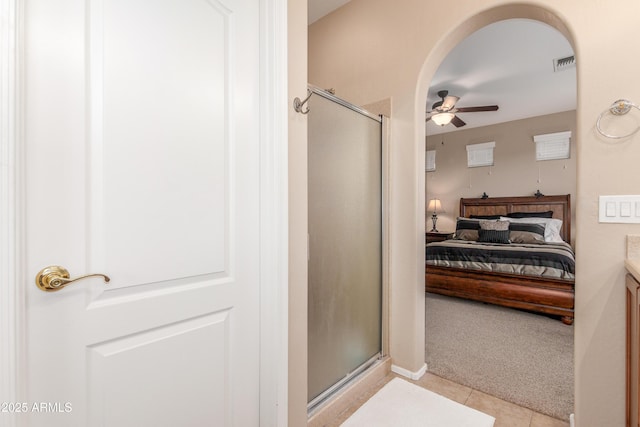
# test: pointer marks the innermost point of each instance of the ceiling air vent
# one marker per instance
(561, 64)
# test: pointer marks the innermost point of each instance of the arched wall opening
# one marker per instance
(451, 39)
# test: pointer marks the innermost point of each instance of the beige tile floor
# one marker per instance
(506, 414)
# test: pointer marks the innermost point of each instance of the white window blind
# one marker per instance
(553, 146)
(430, 160)
(480, 154)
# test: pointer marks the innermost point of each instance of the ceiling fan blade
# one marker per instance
(474, 109)
(457, 122)
(449, 102)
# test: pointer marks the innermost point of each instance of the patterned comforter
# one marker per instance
(553, 260)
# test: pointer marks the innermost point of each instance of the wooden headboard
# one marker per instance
(560, 205)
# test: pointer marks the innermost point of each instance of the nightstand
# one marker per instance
(437, 236)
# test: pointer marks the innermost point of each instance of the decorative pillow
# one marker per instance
(494, 225)
(467, 229)
(493, 236)
(546, 214)
(493, 231)
(526, 233)
(552, 227)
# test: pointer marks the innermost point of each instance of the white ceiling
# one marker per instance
(508, 63)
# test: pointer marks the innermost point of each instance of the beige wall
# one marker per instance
(297, 48)
(515, 171)
(377, 49)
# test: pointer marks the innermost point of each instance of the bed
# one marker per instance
(547, 287)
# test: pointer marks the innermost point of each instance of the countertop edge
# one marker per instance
(633, 267)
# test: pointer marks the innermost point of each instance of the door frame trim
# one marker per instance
(274, 218)
(273, 209)
(11, 203)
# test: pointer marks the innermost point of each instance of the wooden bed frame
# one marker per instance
(541, 295)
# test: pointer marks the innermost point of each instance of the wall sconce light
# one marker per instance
(435, 206)
(442, 119)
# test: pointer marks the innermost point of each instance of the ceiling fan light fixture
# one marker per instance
(442, 119)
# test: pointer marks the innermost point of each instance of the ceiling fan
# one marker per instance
(444, 111)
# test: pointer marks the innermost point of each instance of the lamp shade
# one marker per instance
(435, 206)
(442, 119)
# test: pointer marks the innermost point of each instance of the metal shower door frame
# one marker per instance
(384, 233)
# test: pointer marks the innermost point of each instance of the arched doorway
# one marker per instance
(429, 70)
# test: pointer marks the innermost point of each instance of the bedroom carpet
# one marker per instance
(401, 403)
(517, 356)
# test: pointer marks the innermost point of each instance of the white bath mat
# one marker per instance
(403, 404)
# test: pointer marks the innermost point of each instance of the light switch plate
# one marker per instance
(620, 209)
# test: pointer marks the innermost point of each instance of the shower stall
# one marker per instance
(346, 223)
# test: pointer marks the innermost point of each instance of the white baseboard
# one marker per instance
(572, 420)
(406, 373)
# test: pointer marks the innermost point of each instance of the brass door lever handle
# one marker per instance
(54, 278)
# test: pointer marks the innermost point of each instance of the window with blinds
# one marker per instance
(430, 161)
(480, 154)
(553, 146)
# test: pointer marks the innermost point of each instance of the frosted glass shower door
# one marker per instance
(345, 243)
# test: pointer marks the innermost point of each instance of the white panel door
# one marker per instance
(142, 163)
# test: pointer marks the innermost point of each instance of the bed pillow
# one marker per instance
(496, 217)
(546, 214)
(494, 232)
(552, 227)
(467, 229)
(526, 233)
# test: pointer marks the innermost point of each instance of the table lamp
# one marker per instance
(435, 206)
